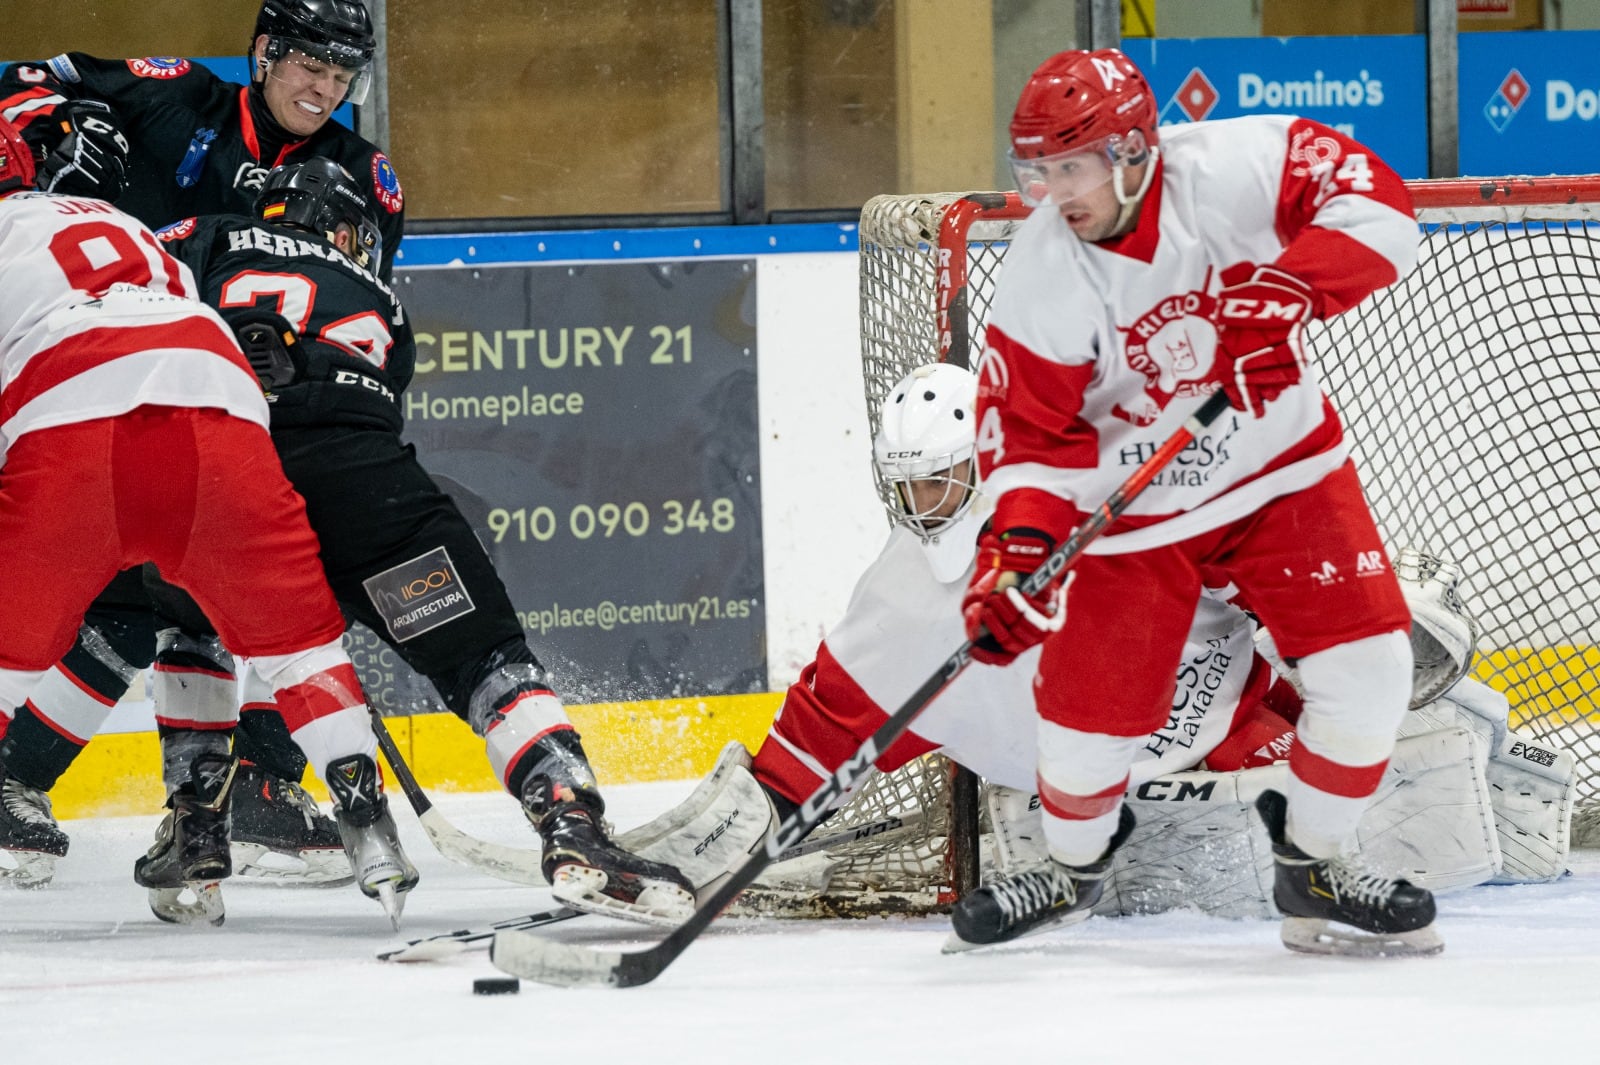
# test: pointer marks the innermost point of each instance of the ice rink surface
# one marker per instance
(88, 975)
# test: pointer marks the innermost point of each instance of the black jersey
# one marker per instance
(359, 349)
(193, 143)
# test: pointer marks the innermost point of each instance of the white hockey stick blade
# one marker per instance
(512, 864)
(532, 957)
(449, 944)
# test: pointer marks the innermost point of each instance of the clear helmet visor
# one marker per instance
(1066, 176)
(345, 74)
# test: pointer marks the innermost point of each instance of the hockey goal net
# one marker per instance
(1471, 395)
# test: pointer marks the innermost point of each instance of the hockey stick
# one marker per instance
(507, 863)
(448, 944)
(526, 955)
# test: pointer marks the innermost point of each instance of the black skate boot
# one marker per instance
(189, 857)
(1047, 896)
(1333, 906)
(382, 870)
(280, 835)
(589, 872)
(30, 839)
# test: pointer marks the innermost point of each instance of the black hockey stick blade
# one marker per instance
(533, 957)
(513, 864)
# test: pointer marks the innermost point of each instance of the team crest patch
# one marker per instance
(177, 230)
(159, 66)
(386, 184)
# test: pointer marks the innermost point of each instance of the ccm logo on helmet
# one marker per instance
(891, 456)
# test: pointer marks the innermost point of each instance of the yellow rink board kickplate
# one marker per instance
(663, 739)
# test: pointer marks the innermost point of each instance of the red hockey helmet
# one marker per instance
(16, 159)
(1077, 98)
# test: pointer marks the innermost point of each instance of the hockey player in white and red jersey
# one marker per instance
(133, 430)
(1459, 805)
(1156, 270)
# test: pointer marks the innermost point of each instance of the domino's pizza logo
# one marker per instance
(386, 184)
(1506, 101)
(177, 230)
(1195, 99)
(159, 66)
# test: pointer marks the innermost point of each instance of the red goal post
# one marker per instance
(1470, 391)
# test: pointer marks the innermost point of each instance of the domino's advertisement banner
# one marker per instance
(596, 423)
(1530, 103)
(1374, 89)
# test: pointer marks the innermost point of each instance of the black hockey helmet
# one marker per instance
(330, 31)
(317, 195)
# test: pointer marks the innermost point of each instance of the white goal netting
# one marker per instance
(1471, 396)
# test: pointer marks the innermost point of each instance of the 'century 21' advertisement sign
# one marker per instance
(1372, 88)
(597, 425)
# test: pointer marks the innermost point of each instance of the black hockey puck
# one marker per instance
(496, 985)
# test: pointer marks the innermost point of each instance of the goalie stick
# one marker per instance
(523, 954)
(448, 944)
(505, 863)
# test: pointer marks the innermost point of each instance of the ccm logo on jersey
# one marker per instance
(1533, 754)
(159, 66)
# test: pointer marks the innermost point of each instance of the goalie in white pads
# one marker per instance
(1197, 843)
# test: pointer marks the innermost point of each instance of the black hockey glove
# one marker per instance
(270, 344)
(91, 158)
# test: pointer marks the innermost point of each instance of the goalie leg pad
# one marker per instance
(713, 831)
(1199, 845)
(1532, 787)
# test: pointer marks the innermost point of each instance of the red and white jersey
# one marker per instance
(1096, 353)
(903, 621)
(96, 319)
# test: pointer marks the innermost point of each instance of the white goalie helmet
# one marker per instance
(924, 456)
(1444, 636)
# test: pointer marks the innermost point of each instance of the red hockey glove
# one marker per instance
(1260, 311)
(1014, 622)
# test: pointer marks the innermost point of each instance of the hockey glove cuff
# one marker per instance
(1260, 313)
(1000, 620)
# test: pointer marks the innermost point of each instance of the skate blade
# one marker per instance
(660, 904)
(1310, 935)
(392, 901)
(956, 945)
(312, 867)
(196, 902)
(26, 869)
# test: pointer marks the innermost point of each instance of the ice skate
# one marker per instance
(30, 839)
(1334, 906)
(382, 870)
(189, 858)
(280, 835)
(1049, 895)
(589, 872)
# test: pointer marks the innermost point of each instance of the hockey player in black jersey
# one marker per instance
(166, 139)
(334, 350)
(200, 145)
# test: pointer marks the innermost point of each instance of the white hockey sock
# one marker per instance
(1355, 695)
